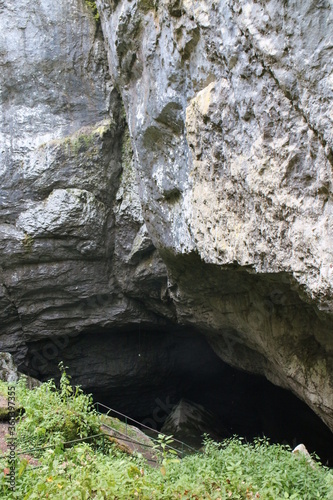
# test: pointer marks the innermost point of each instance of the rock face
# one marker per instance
(170, 166)
(8, 370)
(65, 181)
(229, 106)
(9, 373)
(188, 422)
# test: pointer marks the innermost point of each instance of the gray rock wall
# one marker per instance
(62, 154)
(172, 165)
(229, 107)
(230, 111)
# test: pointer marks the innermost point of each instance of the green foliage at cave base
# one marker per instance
(232, 469)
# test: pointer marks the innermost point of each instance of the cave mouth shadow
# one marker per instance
(245, 405)
(144, 372)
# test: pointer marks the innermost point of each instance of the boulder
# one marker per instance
(188, 422)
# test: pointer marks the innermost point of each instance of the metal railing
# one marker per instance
(183, 446)
(62, 443)
(121, 436)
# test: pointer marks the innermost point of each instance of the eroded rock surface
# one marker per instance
(189, 421)
(229, 107)
(187, 181)
(66, 182)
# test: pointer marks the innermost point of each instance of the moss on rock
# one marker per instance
(94, 9)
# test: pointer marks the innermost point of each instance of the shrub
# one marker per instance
(53, 416)
(232, 469)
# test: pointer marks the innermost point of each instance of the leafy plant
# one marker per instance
(231, 469)
(53, 416)
(166, 452)
(94, 9)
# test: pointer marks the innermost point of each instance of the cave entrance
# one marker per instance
(145, 372)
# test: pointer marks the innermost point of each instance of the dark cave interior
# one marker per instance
(143, 373)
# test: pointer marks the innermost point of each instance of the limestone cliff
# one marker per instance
(229, 106)
(187, 181)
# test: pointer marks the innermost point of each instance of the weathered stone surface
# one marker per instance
(229, 106)
(8, 369)
(213, 210)
(224, 150)
(68, 217)
(9, 372)
(189, 421)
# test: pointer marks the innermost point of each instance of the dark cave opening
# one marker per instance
(143, 373)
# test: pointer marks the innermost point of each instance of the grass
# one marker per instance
(232, 469)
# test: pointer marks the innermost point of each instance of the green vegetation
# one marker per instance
(53, 416)
(147, 5)
(93, 7)
(4, 414)
(78, 143)
(167, 455)
(232, 469)
(27, 242)
(83, 141)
